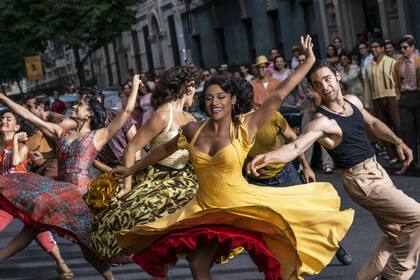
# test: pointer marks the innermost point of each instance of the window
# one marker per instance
(149, 55)
(273, 16)
(252, 53)
(197, 47)
(221, 45)
(174, 40)
(108, 65)
(136, 48)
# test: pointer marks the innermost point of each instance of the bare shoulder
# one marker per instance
(68, 124)
(190, 117)
(190, 128)
(160, 116)
(319, 123)
(355, 101)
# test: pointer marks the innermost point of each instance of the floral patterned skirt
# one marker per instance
(157, 191)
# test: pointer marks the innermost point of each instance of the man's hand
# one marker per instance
(257, 163)
(404, 153)
(309, 174)
(120, 172)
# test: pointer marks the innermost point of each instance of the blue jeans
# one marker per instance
(286, 177)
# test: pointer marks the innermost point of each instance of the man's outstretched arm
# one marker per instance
(382, 131)
(314, 131)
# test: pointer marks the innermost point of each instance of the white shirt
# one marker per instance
(249, 77)
(265, 84)
(365, 61)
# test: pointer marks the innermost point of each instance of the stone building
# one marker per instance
(215, 32)
(347, 18)
(154, 44)
(235, 31)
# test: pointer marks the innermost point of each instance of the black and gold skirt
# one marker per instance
(157, 191)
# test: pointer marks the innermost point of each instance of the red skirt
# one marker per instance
(167, 248)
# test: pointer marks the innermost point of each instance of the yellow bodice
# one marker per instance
(220, 176)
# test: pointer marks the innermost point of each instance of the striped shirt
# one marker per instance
(408, 74)
(379, 81)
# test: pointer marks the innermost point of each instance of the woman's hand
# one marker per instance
(137, 82)
(21, 136)
(120, 172)
(307, 47)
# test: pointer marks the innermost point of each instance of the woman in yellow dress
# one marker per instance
(290, 232)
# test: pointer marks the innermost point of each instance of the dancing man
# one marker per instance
(339, 126)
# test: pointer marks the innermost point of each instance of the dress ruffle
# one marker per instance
(102, 191)
(182, 141)
(167, 248)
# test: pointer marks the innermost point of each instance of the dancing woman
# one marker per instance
(13, 159)
(44, 204)
(290, 232)
(168, 184)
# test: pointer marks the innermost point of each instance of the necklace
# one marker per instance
(339, 112)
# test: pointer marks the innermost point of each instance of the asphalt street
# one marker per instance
(33, 263)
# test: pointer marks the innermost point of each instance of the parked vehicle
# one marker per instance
(112, 99)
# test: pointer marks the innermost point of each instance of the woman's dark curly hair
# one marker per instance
(174, 83)
(24, 125)
(99, 112)
(238, 87)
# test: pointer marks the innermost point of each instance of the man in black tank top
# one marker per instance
(339, 126)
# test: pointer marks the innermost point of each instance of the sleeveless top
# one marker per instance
(147, 107)
(6, 166)
(354, 146)
(177, 160)
(76, 158)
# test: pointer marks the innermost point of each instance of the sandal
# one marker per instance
(64, 271)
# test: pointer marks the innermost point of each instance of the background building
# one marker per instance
(236, 31)
(151, 44)
(215, 32)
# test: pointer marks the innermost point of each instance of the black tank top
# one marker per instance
(355, 146)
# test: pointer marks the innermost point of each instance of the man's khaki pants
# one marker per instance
(397, 214)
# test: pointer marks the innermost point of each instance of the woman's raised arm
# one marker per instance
(275, 100)
(105, 134)
(50, 129)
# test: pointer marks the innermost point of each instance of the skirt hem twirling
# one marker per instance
(7, 206)
(167, 248)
